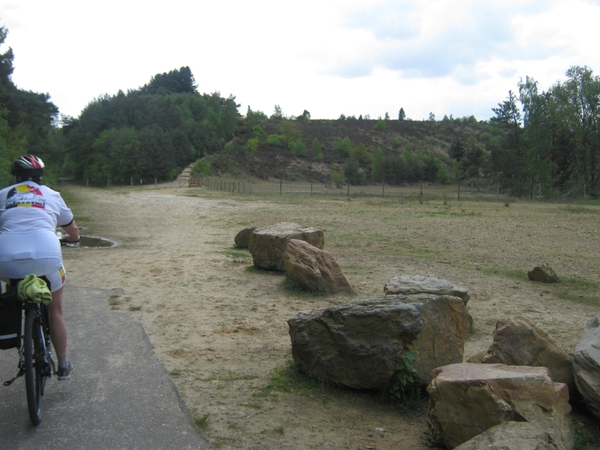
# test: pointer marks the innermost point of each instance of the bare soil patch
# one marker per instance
(219, 327)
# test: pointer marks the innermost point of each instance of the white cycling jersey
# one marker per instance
(29, 214)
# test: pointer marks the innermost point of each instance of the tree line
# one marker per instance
(27, 120)
(551, 142)
(149, 133)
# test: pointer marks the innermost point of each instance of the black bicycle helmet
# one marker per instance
(28, 166)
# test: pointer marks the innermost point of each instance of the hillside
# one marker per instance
(255, 152)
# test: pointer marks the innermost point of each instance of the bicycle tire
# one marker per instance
(33, 355)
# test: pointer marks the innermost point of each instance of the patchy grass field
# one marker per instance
(219, 326)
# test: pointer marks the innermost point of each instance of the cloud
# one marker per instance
(387, 22)
(443, 38)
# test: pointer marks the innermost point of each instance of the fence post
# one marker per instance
(155, 181)
(421, 194)
(87, 182)
(348, 191)
(108, 183)
(458, 191)
(382, 188)
(250, 188)
(281, 185)
(132, 181)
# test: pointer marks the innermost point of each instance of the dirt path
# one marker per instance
(220, 328)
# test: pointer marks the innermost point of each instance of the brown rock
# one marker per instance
(510, 436)
(418, 284)
(357, 344)
(468, 399)
(586, 365)
(241, 239)
(519, 342)
(446, 326)
(312, 268)
(543, 274)
(267, 245)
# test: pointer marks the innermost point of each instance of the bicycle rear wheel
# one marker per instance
(34, 365)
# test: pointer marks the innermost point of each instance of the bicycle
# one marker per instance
(31, 336)
(25, 326)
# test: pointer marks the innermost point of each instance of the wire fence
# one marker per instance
(258, 187)
(297, 188)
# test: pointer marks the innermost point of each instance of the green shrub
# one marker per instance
(443, 176)
(274, 140)
(298, 148)
(252, 144)
(317, 150)
(485, 137)
(343, 146)
(337, 179)
(200, 169)
(258, 131)
(380, 125)
(353, 172)
(288, 131)
(362, 154)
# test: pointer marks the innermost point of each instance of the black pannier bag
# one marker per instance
(10, 320)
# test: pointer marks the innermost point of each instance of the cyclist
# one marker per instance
(29, 213)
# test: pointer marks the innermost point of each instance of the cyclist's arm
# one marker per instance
(72, 230)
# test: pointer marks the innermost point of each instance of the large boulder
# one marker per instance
(586, 365)
(519, 342)
(267, 245)
(468, 399)
(418, 284)
(243, 237)
(510, 436)
(312, 268)
(359, 344)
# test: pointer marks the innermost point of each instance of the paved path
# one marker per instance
(118, 398)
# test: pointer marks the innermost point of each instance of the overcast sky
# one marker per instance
(330, 57)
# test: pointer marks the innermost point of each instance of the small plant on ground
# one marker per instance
(432, 437)
(404, 389)
(202, 421)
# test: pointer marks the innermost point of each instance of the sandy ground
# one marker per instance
(219, 327)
